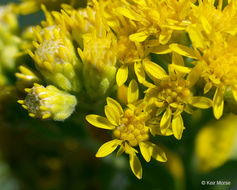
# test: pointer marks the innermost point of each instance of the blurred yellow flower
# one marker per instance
(129, 130)
(216, 143)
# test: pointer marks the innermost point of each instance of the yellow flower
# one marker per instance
(55, 57)
(84, 20)
(170, 96)
(156, 18)
(129, 130)
(48, 102)
(208, 21)
(99, 62)
(217, 66)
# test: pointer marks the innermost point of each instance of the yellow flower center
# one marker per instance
(49, 50)
(36, 99)
(225, 70)
(173, 91)
(132, 128)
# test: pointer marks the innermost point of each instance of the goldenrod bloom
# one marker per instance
(157, 19)
(217, 66)
(48, 102)
(55, 57)
(84, 20)
(129, 130)
(209, 20)
(213, 32)
(99, 62)
(170, 96)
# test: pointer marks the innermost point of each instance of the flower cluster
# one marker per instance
(87, 55)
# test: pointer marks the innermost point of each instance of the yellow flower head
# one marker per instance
(208, 21)
(48, 102)
(156, 18)
(171, 95)
(84, 20)
(55, 57)
(78, 22)
(99, 61)
(220, 70)
(129, 130)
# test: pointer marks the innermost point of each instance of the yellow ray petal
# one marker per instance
(135, 165)
(146, 153)
(177, 126)
(154, 70)
(115, 105)
(195, 74)
(122, 75)
(139, 36)
(139, 72)
(218, 103)
(200, 102)
(128, 13)
(166, 118)
(108, 148)
(99, 121)
(133, 92)
(177, 59)
(180, 69)
(112, 115)
(183, 50)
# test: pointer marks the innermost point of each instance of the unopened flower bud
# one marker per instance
(48, 102)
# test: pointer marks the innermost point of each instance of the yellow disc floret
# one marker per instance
(173, 91)
(132, 128)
